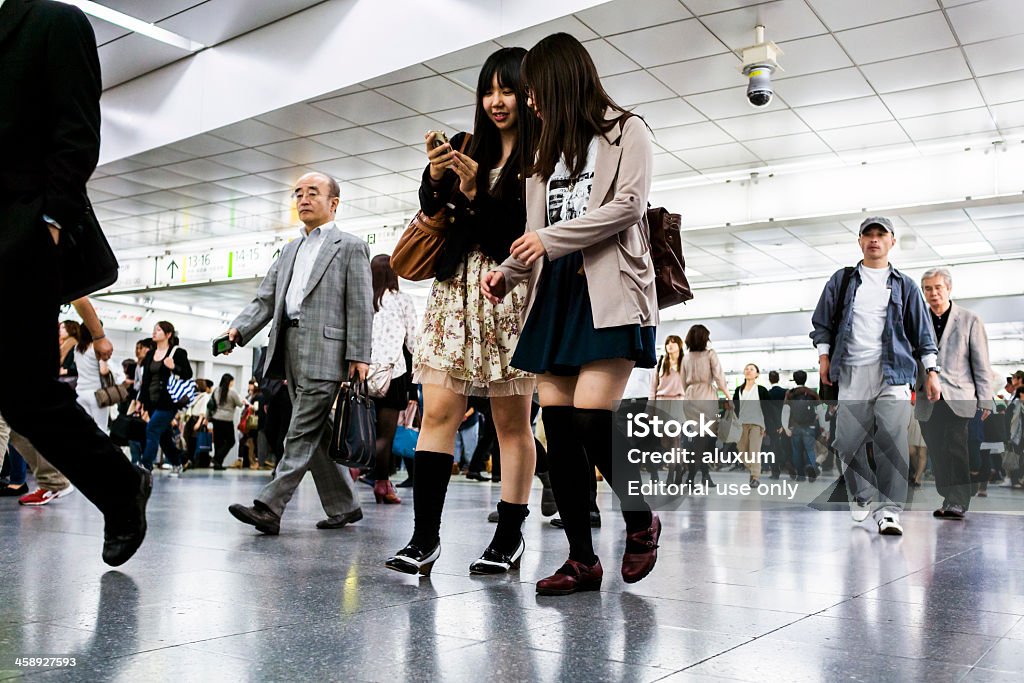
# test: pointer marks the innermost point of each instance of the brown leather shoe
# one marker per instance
(572, 577)
(641, 552)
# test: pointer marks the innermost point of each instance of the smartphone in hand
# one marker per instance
(440, 138)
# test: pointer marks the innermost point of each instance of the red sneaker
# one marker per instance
(44, 497)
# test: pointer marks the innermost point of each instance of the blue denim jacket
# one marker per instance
(908, 333)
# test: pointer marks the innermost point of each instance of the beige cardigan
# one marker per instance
(612, 235)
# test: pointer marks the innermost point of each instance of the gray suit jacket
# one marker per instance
(966, 376)
(336, 318)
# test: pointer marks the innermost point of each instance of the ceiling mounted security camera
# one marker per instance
(760, 61)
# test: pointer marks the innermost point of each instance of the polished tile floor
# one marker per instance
(777, 595)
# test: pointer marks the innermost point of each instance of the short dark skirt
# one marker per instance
(559, 335)
(398, 394)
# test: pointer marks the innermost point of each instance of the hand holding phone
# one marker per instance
(223, 344)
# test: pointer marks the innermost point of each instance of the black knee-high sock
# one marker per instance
(433, 472)
(570, 481)
(595, 428)
(510, 527)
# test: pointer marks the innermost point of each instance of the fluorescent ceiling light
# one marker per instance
(136, 25)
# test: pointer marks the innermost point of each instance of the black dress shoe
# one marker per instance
(477, 476)
(259, 515)
(941, 512)
(340, 520)
(407, 484)
(495, 562)
(121, 538)
(19, 491)
(595, 521)
(414, 560)
(955, 512)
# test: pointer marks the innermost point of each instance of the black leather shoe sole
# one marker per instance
(344, 520)
(119, 549)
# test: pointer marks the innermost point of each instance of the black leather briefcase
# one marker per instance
(87, 263)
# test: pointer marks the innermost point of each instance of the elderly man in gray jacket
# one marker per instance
(965, 378)
(320, 298)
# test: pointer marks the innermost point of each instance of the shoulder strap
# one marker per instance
(837, 313)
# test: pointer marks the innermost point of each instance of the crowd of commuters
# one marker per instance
(545, 287)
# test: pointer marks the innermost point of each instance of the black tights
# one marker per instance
(387, 424)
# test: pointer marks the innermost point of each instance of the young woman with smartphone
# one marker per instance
(467, 342)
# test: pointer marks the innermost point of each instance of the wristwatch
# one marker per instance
(935, 368)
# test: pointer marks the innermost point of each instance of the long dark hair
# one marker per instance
(73, 329)
(384, 278)
(84, 339)
(225, 385)
(485, 148)
(570, 100)
(666, 361)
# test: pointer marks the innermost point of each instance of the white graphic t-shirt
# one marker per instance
(568, 197)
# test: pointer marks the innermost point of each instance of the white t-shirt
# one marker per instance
(869, 312)
(568, 197)
(750, 412)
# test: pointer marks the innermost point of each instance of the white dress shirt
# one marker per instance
(304, 260)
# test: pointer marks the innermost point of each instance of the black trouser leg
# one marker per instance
(387, 424)
(485, 440)
(946, 436)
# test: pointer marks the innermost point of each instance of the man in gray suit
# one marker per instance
(965, 379)
(320, 298)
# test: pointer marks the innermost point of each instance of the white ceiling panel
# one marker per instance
(120, 166)
(996, 56)
(783, 19)
(811, 55)
(667, 164)
(705, 158)
(159, 177)
(105, 31)
(356, 141)
(256, 184)
(204, 146)
(917, 71)
(529, 37)
(865, 136)
(702, 7)
(843, 84)
(608, 59)
(970, 121)
(621, 16)
(1013, 210)
(1007, 87)
(842, 14)
(429, 94)
(934, 99)
(351, 168)
(300, 151)
(409, 73)
(121, 187)
(459, 119)
(159, 157)
(390, 184)
(692, 135)
(398, 159)
(365, 107)
(204, 169)
(210, 192)
(788, 146)
(722, 104)
(669, 43)
(471, 57)
(250, 160)
(670, 112)
(770, 124)
(409, 131)
(700, 75)
(134, 55)
(899, 38)
(842, 114)
(1009, 114)
(304, 119)
(214, 21)
(468, 77)
(252, 132)
(634, 88)
(985, 20)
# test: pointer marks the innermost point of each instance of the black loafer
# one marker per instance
(340, 520)
(264, 519)
(122, 538)
(494, 562)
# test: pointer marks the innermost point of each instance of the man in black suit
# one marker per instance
(773, 423)
(50, 139)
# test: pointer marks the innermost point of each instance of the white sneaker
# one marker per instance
(175, 471)
(889, 524)
(860, 511)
